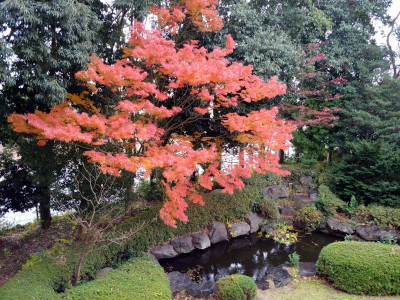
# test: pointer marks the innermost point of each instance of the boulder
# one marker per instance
(201, 240)
(279, 276)
(103, 272)
(239, 229)
(339, 228)
(301, 201)
(201, 290)
(254, 220)
(179, 281)
(218, 232)
(268, 229)
(376, 233)
(276, 192)
(183, 244)
(216, 191)
(153, 258)
(262, 285)
(164, 251)
(286, 211)
(306, 181)
(307, 269)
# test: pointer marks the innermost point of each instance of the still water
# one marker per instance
(250, 255)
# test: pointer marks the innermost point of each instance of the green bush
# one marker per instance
(139, 278)
(362, 267)
(268, 209)
(310, 216)
(236, 287)
(328, 202)
(380, 215)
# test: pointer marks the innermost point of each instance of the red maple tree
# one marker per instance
(155, 81)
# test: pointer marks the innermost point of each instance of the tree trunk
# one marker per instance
(79, 266)
(281, 154)
(44, 208)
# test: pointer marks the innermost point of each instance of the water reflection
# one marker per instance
(249, 256)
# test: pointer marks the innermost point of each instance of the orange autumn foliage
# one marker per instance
(155, 81)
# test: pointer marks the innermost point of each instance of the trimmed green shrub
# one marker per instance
(236, 287)
(328, 202)
(362, 267)
(268, 209)
(139, 278)
(310, 216)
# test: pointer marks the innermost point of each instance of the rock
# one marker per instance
(154, 259)
(179, 281)
(314, 193)
(339, 228)
(201, 290)
(164, 251)
(276, 192)
(218, 232)
(183, 244)
(262, 285)
(268, 229)
(103, 272)
(239, 229)
(306, 181)
(307, 269)
(216, 191)
(279, 276)
(254, 220)
(301, 201)
(201, 240)
(286, 211)
(376, 233)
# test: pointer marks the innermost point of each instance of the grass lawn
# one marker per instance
(311, 288)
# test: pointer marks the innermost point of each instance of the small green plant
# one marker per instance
(194, 274)
(388, 239)
(351, 206)
(348, 238)
(294, 259)
(236, 287)
(268, 209)
(283, 234)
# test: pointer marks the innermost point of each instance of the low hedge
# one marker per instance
(236, 287)
(139, 278)
(362, 267)
(44, 278)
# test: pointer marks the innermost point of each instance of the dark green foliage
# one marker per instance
(380, 215)
(328, 202)
(268, 209)
(362, 267)
(371, 173)
(309, 216)
(294, 259)
(236, 287)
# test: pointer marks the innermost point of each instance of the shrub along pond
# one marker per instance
(250, 255)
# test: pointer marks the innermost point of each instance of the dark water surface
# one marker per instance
(250, 255)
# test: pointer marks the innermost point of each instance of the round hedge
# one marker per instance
(236, 287)
(362, 267)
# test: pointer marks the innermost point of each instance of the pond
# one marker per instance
(250, 255)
